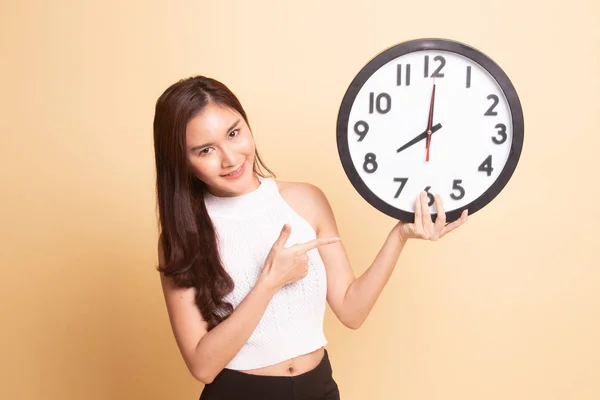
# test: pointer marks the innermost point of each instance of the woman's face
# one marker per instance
(220, 151)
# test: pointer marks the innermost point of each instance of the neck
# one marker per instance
(241, 205)
(251, 187)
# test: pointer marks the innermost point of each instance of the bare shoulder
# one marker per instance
(299, 189)
(307, 199)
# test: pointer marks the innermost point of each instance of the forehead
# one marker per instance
(213, 121)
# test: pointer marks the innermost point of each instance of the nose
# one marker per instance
(228, 159)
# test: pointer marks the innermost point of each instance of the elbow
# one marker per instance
(201, 375)
(353, 324)
(350, 320)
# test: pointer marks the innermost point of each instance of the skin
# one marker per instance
(230, 146)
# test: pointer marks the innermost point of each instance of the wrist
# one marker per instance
(265, 284)
(398, 231)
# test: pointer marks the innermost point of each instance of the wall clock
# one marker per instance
(433, 115)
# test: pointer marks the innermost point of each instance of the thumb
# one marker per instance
(284, 235)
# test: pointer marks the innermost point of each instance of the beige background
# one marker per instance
(508, 307)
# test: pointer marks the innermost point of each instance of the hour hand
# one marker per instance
(422, 136)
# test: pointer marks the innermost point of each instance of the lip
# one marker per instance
(239, 173)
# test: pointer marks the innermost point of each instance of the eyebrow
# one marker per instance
(210, 144)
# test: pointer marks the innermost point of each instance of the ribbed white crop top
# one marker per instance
(246, 227)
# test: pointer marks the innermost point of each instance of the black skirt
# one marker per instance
(316, 384)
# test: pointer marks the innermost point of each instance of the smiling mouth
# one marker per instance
(234, 172)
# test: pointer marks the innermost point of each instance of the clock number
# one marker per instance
(461, 190)
(370, 164)
(502, 132)
(399, 75)
(429, 196)
(468, 76)
(490, 111)
(438, 72)
(402, 184)
(361, 128)
(377, 103)
(486, 166)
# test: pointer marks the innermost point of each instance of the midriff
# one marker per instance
(293, 366)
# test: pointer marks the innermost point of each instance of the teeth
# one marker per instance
(231, 173)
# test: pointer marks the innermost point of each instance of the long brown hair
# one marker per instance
(187, 232)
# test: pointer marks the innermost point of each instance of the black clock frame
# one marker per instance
(418, 45)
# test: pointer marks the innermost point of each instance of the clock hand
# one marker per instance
(430, 120)
(422, 136)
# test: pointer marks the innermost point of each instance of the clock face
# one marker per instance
(475, 133)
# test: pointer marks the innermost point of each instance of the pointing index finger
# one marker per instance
(313, 244)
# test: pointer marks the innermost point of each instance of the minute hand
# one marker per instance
(422, 136)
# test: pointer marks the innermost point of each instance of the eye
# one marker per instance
(205, 151)
(234, 133)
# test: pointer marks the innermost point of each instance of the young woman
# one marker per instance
(248, 262)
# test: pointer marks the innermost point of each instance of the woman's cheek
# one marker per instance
(247, 144)
(206, 167)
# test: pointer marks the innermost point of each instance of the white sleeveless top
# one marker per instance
(246, 228)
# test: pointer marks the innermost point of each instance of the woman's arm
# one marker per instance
(355, 301)
(351, 298)
(207, 353)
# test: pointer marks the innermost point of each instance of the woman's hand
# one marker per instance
(286, 265)
(423, 226)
